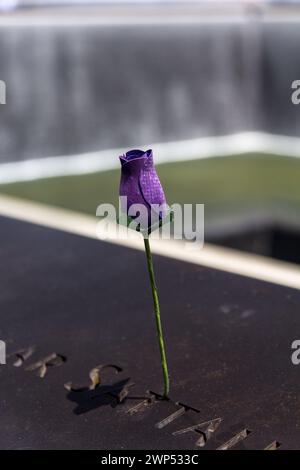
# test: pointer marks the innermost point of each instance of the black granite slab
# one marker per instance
(89, 302)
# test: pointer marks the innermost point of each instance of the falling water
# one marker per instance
(85, 88)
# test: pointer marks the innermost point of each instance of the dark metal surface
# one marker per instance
(228, 342)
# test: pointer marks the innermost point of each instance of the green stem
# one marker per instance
(157, 318)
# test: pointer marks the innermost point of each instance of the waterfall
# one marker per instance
(84, 88)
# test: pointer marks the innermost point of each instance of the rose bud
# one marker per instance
(142, 198)
(140, 184)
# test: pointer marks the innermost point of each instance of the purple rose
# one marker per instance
(140, 184)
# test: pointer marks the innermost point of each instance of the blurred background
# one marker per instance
(207, 84)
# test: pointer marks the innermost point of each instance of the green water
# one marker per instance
(231, 185)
